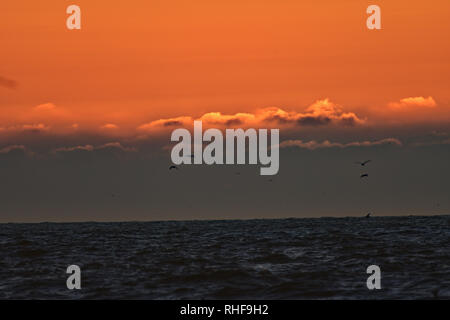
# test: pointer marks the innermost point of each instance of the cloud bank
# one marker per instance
(313, 145)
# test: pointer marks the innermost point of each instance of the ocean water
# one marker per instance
(323, 258)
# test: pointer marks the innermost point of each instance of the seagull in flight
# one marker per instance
(363, 163)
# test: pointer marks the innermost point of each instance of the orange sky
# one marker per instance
(137, 61)
(88, 113)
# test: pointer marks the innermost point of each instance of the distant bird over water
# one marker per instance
(173, 167)
(364, 175)
(435, 293)
(363, 163)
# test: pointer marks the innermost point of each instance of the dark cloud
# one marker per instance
(12, 149)
(77, 186)
(8, 83)
(312, 145)
(172, 123)
(278, 119)
(313, 121)
(110, 146)
(349, 120)
(233, 122)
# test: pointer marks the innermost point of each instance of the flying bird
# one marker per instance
(173, 167)
(364, 175)
(435, 293)
(363, 163)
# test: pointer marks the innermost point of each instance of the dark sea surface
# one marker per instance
(323, 258)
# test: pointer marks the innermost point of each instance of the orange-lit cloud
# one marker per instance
(109, 126)
(60, 120)
(409, 111)
(45, 106)
(166, 123)
(217, 118)
(412, 102)
(320, 113)
(47, 115)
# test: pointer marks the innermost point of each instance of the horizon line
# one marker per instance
(223, 219)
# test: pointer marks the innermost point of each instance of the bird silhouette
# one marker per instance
(173, 167)
(364, 175)
(363, 163)
(435, 293)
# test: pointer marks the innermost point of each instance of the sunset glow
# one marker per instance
(131, 67)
